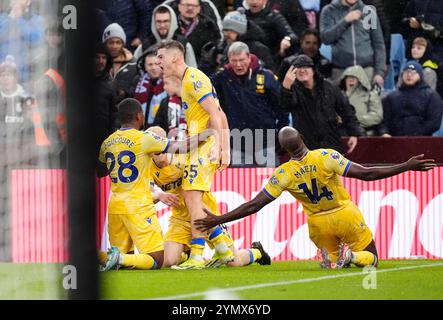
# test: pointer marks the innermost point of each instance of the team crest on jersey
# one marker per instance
(324, 153)
(274, 180)
(335, 155)
(157, 174)
(197, 85)
(281, 171)
(149, 220)
(185, 105)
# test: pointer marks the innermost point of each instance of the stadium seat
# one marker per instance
(397, 60)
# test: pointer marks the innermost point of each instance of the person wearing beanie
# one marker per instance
(236, 27)
(421, 52)
(123, 70)
(318, 108)
(414, 109)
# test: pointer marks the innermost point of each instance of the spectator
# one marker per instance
(249, 95)
(171, 115)
(164, 27)
(379, 6)
(310, 43)
(21, 31)
(124, 70)
(106, 96)
(293, 13)
(421, 52)
(209, 8)
(318, 107)
(150, 91)
(413, 110)
(424, 18)
(279, 36)
(366, 102)
(353, 40)
(132, 15)
(236, 27)
(312, 9)
(197, 28)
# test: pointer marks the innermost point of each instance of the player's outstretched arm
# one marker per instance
(416, 163)
(189, 144)
(242, 211)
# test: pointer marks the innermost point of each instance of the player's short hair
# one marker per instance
(237, 48)
(128, 110)
(311, 32)
(172, 44)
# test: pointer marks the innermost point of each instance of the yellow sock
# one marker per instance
(138, 261)
(217, 239)
(102, 257)
(364, 258)
(197, 247)
(184, 257)
(254, 255)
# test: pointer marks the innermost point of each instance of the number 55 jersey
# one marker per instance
(127, 154)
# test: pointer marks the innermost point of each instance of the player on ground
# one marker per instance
(125, 155)
(336, 225)
(167, 173)
(202, 111)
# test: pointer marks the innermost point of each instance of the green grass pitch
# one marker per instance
(395, 279)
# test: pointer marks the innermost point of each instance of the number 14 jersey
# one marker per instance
(127, 154)
(314, 181)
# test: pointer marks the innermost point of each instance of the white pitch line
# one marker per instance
(285, 283)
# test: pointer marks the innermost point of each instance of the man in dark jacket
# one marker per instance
(197, 28)
(310, 43)
(123, 70)
(279, 36)
(352, 29)
(415, 109)
(133, 15)
(318, 107)
(236, 27)
(249, 95)
(105, 97)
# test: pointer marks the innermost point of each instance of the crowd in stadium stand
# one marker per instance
(364, 67)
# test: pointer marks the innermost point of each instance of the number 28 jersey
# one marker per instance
(127, 154)
(314, 181)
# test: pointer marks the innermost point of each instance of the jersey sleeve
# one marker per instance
(154, 143)
(199, 87)
(278, 183)
(337, 163)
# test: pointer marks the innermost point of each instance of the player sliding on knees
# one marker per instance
(336, 225)
(167, 173)
(125, 156)
(202, 111)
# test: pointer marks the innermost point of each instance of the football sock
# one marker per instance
(102, 255)
(137, 261)
(197, 246)
(217, 239)
(364, 258)
(183, 258)
(254, 255)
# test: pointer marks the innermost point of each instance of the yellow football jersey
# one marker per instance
(127, 155)
(314, 181)
(170, 179)
(196, 87)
